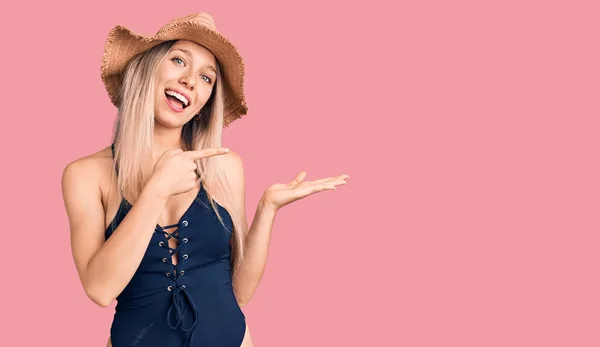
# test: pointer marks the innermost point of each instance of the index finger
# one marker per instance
(207, 152)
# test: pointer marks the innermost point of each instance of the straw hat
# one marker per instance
(124, 44)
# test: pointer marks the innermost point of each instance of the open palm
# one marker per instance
(281, 194)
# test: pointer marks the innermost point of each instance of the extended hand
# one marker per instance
(281, 194)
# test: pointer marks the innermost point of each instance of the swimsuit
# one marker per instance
(190, 303)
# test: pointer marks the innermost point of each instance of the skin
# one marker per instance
(91, 203)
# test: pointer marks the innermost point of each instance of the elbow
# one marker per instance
(241, 303)
(243, 292)
(242, 300)
(98, 296)
(102, 302)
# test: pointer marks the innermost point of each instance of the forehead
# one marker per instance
(197, 51)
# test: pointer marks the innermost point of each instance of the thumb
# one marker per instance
(299, 178)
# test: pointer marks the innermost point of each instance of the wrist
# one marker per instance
(265, 205)
(155, 190)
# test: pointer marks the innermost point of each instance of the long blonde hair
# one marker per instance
(134, 133)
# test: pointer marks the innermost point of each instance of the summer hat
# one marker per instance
(124, 44)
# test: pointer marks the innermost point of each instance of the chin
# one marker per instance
(170, 120)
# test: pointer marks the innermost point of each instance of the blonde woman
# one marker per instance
(157, 218)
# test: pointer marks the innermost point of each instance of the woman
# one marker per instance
(157, 219)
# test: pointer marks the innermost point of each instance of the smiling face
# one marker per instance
(183, 83)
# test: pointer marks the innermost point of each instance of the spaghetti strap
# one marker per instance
(123, 200)
(112, 148)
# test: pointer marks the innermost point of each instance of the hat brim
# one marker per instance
(124, 44)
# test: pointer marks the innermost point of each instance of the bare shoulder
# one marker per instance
(233, 167)
(232, 163)
(87, 175)
(90, 167)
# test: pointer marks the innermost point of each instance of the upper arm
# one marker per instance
(83, 204)
(234, 170)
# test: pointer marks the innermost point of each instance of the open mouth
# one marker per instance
(177, 100)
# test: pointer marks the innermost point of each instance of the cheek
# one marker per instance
(161, 71)
(165, 73)
(203, 96)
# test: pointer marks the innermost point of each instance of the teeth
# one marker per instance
(181, 98)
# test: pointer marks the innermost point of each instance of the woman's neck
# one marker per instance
(165, 139)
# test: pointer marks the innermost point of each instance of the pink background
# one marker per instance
(469, 131)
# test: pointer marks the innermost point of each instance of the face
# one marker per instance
(183, 83)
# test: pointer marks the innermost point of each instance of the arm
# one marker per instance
(257, 246)
(105, 268)
(247, 278)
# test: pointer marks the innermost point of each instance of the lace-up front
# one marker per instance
(181, 299)
(181, 293)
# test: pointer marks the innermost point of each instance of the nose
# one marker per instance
(188, 80)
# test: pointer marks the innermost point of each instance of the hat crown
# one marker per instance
(202, 19)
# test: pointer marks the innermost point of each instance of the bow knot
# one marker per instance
(178, 304)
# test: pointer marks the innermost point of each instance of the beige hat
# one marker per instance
(124, 44)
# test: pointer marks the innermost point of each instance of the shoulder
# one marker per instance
(88, 169)
(232, 162)
(89, 165)
(233, 168)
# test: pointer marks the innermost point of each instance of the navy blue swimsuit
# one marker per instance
(190, 303)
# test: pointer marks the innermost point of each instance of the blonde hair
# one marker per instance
(134, 133)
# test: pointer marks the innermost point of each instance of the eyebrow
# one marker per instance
(209, 66)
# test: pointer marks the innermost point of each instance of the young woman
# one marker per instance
(157, 218)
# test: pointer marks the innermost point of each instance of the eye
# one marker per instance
(176, 59)
(206, 78)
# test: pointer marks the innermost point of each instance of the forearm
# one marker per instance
(257, 242)
(115, 263)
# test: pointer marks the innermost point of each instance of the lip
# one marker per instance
(187, 96)
(173, 107)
